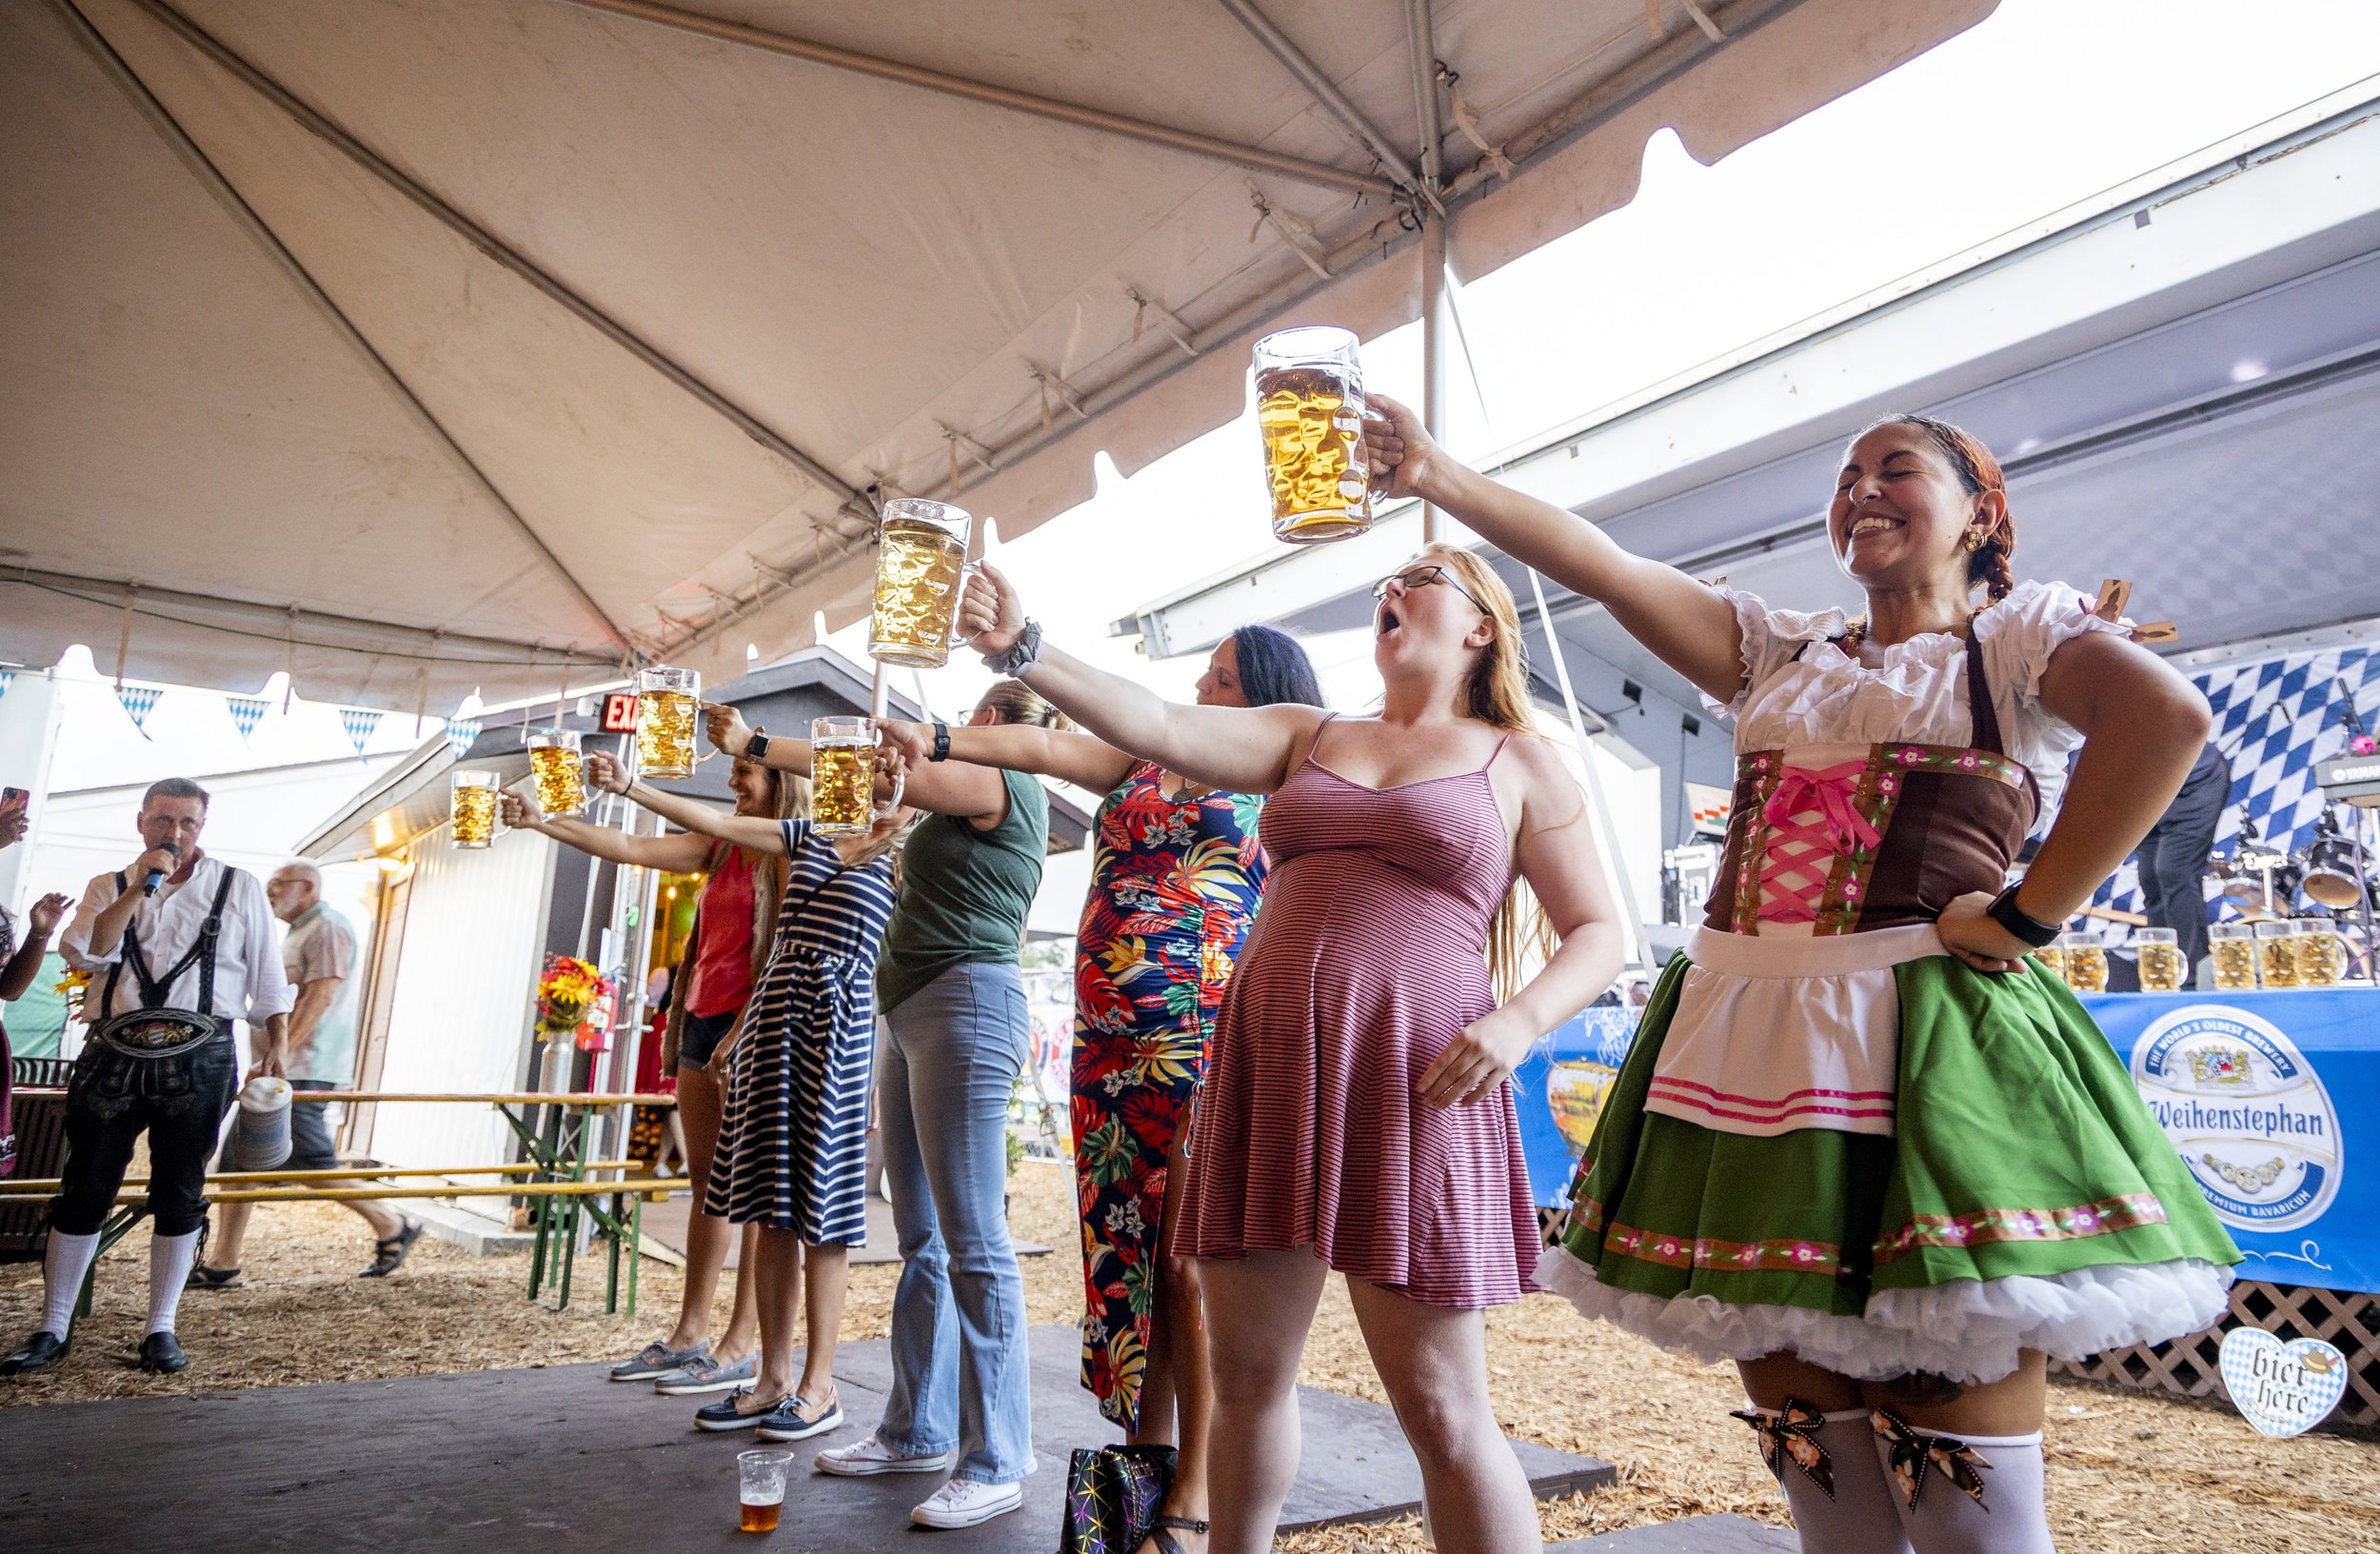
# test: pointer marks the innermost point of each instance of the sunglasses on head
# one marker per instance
(1422, 577)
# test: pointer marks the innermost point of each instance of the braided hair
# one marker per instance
(1979, 472)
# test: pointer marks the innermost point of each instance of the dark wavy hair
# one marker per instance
(1273, 667)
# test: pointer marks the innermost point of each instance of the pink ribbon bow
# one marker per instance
(1830, 793)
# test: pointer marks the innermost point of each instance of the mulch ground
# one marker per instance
(2126, 1471)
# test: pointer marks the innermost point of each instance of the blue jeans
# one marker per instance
(961, 1371)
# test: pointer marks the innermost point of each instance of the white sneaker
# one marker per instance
(963, 1503)
(871, 1456)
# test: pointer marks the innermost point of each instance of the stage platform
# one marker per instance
(561, 1460)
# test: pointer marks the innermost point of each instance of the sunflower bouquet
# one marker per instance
(564, 994)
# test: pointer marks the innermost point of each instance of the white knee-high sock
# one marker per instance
(1857, 1518)
(2012, 1516)
(169, 1259)
(62, 1269)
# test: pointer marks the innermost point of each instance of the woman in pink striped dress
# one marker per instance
(1355, 1115)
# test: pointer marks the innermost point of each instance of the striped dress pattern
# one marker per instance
(1369, 955)
(793, 1136)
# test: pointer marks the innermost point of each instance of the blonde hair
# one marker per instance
(1497, 695)
(1019, 703)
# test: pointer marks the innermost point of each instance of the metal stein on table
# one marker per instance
(921, 571)
(669, 704)
(1309, 405)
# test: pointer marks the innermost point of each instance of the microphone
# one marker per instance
(149, 886)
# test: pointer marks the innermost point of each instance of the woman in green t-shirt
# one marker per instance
(953, 1001)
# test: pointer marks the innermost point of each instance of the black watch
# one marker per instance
(941, 741)
(756, 749)
(2005, 911)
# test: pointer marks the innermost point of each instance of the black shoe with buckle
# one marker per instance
(40, 1352)
(202, 1277)
(388, 1256)
(161, 1353)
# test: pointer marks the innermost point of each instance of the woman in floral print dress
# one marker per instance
(1175, 878)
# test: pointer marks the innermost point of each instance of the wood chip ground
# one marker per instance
(2128, 1471)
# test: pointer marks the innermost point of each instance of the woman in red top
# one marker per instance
(733, 923)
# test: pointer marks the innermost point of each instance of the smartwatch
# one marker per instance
(2005, 911)
(757, 748)
(941, 741)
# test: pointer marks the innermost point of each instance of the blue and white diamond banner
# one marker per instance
(139, 701)
(358, 726)
(460, 734)
(247, 712)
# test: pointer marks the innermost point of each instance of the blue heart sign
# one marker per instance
(2282, 1388)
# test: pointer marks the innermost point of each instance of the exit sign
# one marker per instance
(620, 712)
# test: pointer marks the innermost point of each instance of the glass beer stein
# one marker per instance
(668, 703)
(922, 569)
(2276, 953)
(2233, 946)
(2086, 963)
(559, 770)
(473, 797)
(1309, 405)
(2053, 956)
(842, 777)
(2320, 953)
(2161, 968)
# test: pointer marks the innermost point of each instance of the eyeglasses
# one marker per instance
(1422, 577)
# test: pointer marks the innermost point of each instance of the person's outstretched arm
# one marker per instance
(41, 921)
(1069, 755)
(1682, 620)
(697, 817)
(974, 793)
(681, 853)
(1241, 749)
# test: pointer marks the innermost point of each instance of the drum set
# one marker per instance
(2331, 879)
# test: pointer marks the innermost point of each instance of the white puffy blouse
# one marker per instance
(1800, 688)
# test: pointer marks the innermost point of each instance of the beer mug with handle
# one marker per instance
(922, 569)
(1309, 405)
(842, 777)
(667, 703)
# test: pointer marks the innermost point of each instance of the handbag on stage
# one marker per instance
(1112, 1497)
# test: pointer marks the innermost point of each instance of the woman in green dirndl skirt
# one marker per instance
(1864, 1144)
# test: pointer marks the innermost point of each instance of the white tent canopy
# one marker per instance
(419, 346)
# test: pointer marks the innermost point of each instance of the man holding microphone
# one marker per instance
(179, 946)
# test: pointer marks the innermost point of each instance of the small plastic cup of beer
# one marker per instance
(922, 571)
(2319, 953)
(761, 1489)
(559, 770)
(1309, 405)
(2276, 953)
(2161, 968)
(842, 777)
(668, 705)
(2234, 948)
(473, 799)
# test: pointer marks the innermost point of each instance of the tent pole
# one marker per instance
(1432, 345)
(879, 693)
(1638, 942)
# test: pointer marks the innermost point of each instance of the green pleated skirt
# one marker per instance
(2027, 1201)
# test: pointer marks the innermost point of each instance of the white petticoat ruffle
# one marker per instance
(1967, 1330)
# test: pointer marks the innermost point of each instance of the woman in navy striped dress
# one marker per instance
(792, 1152)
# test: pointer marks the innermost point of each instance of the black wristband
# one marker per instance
(756, 749)
(2005, 911)
(941, 741)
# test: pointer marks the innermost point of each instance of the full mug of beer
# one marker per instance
(842, 777)
(1309, 405)
(667, 703)
(559, 770)
(475, 811)
(921, 571)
